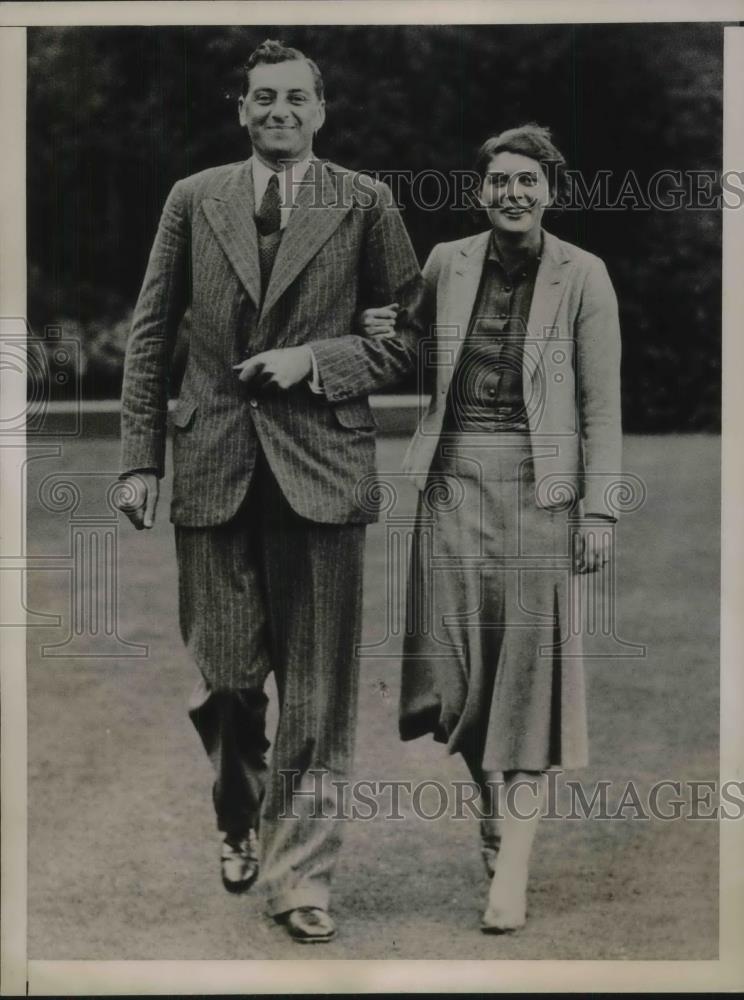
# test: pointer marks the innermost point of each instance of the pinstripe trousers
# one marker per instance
(271, 591)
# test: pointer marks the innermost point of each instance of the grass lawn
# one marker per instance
(123, 853)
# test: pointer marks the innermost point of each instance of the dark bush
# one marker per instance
(116, 115)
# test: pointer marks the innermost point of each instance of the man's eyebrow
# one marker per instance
(273, 90)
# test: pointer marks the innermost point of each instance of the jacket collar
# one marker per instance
(317, 212)
(554, 251)
(550, 284)
(230, 210)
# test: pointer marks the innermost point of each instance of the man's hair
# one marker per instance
(270, 51)
(530, 140)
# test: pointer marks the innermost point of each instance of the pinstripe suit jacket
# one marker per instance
(345, 245)
(570, 369)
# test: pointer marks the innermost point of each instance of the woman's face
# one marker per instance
(515, 194)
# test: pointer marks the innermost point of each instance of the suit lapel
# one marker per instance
(318, 210)
(230, 213)
(459, 299)
(550, 284)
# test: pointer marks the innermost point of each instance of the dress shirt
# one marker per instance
(486, 388)
(488, 375)
(290, 179)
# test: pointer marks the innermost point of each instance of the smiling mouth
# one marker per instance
(515, 213)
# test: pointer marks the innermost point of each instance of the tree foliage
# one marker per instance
(116, 115)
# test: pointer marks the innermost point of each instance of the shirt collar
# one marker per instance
(293, 173)
(532, 256)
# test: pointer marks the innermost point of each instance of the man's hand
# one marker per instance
(380, 321)
(591, 545)
(278, 369)
(138, 498)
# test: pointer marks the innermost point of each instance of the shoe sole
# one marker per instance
(238, 887)
(495, 929)
(313, 940)
(305, 938)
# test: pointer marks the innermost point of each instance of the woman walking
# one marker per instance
(513, 459)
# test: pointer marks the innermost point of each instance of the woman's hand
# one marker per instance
(591, 545)
(380, 321)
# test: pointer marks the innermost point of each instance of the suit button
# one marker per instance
(253, 403)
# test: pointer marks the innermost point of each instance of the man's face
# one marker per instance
(515, 194)
(281, 111)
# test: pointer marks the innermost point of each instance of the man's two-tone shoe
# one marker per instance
(239, 862)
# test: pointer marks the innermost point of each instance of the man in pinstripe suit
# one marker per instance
(273, 435)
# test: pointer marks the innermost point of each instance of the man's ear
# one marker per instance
(241, 111)
(321, 117)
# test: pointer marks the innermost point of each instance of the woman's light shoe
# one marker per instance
(506, 910)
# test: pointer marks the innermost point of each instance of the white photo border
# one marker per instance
(283, 977)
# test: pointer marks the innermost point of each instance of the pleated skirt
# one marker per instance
(491, 663)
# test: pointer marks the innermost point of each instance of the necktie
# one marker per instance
(269, 217)
(268, 225)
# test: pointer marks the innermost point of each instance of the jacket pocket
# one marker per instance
(355, 414)
(183, 413)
